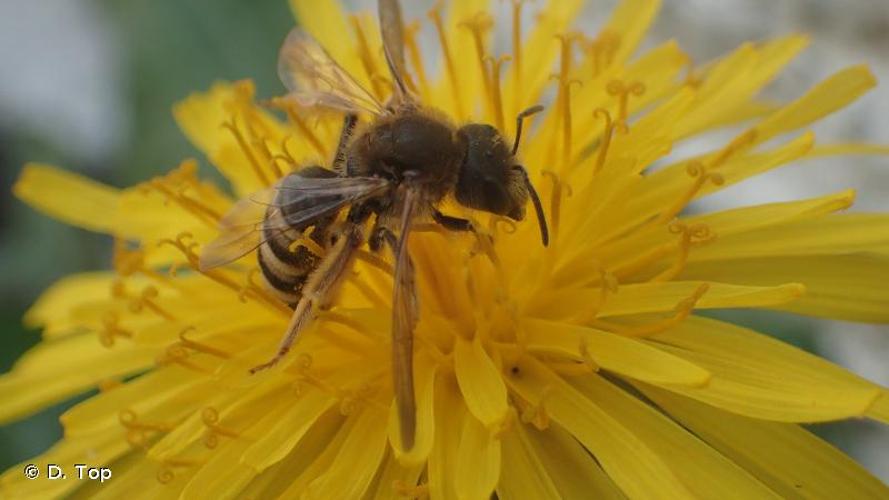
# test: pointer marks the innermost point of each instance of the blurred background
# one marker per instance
(89, 84)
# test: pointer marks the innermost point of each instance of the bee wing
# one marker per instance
(240, 231)
(306, 200)
(315, 79)
(405, 309)
(392, 30)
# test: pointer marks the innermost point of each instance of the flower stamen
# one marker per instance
(623, 90)
(701, 175)
(435, 15)
(232, 127)
(496, 94)
(111, 329)
(607, 135)
(415, 492)
(198, 347)
(689, 236)
(289, 108)
(412, 47)
(210, 417)
(364, 54)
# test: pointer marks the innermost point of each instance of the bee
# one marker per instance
(396, 170)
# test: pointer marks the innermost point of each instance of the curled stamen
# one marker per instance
(196, 346)
(701, 176)
(145, 300)
(623, 91)
(166, 474)
(182, 244)
(305, 240)
(501, 223)
(738, 144)
(682, 310)
(414, 492)
(129, 419)
(111, 330)
(210, 417)
(689, 236)
(178, 354)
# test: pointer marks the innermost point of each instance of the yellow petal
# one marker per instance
(705, 472)
(788, 459)
(660, 190)
(393, 476)
(273, 482)
(844, 286)
(68, 197)
(656, 297)
(835, 234)
(286, 430)
(222, 475)
(834, 93)
(318, 465)
(630, 21)
(572, 469)
(760, 377)
(425, 370)
(739, 220)
(449, 416)
(328, 23)
(612, 352)
(480, 382)
(55, 370)
(478, 461)
(732, 83)
(171, 386)
(102, 447)
(523, 474)
(633, 466)
(880, 409)
(731, 222)
(51, 310)
(357, 461)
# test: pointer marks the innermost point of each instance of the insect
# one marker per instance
(393, 172)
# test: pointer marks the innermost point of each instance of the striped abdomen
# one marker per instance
(285, 266)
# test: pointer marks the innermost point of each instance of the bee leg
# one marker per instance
(321, 284)
(339, 159)
(452, 223)
(379, 235)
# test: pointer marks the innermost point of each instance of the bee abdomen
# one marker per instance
(285, 265)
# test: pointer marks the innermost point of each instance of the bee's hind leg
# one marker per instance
(452, 223)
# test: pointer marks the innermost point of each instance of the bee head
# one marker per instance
(490, 179)
(487, 180)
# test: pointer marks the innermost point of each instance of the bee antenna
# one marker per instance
(538, 207)
(518, 125)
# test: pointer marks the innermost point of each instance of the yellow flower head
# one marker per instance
(576, 370)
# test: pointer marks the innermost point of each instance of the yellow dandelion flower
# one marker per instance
(576, 370)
